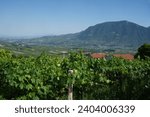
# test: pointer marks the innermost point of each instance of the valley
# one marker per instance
(108, 37)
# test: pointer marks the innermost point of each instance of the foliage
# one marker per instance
(143, 51)
(47, 77)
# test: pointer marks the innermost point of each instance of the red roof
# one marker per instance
(103, 55)
(98, 55)
(124, 56)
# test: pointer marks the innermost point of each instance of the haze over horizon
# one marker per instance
(54, 17)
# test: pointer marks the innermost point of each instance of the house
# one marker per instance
(98, 55)
(124, 56)
(103, 55)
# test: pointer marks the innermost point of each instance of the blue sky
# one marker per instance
(46, 17)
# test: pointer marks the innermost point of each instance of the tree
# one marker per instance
(143, 51)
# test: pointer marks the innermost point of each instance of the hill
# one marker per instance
(117, 35)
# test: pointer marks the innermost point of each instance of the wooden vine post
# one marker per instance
(70, 87)
(70, 92)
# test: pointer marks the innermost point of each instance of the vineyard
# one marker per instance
(47, 77)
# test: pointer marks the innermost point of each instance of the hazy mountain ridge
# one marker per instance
(116, 32)
(107, 35)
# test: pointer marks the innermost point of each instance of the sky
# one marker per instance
(54, 17)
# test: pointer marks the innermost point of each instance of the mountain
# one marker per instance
(107, 35)
(121, 32)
